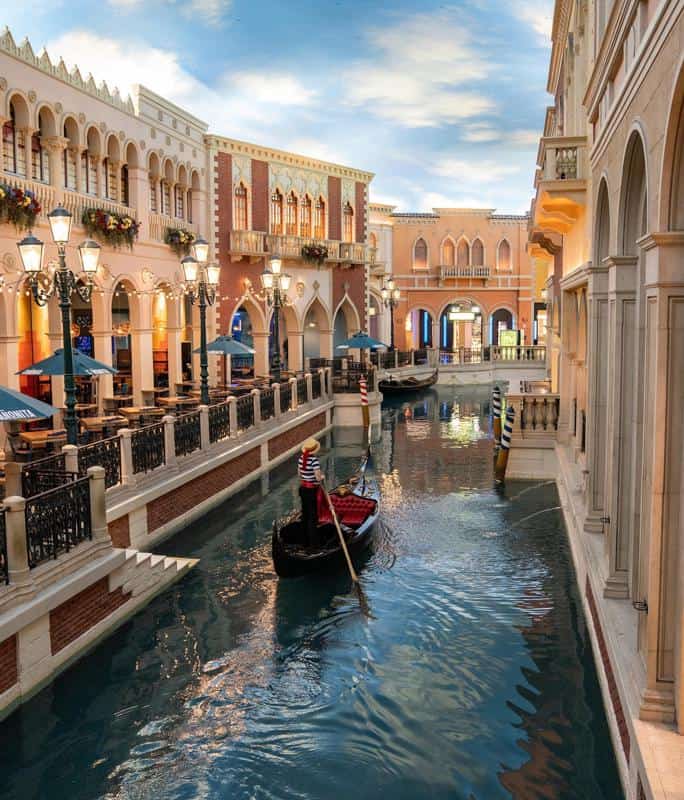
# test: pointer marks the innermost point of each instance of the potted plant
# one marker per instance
(179, 240)
(110, 228)
(315, 253)
(18, 206)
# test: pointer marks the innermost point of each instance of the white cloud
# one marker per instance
(480, 132)
(241, 105)
(473, 172)
(209, 11)
(538, 14)
(524, 138)
(422, 73)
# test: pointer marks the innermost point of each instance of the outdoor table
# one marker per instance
(83, 408)
(120, 399)
(177, 401)
(102, 424)
(40, 439)
(138, 413)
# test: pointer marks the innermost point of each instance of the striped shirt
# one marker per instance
(307, 469)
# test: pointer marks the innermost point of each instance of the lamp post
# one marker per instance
(275, 284)
(63, 283)
(201, 279)
(390, 297)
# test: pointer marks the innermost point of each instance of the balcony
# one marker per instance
(561, 182)
(160, 222)
(255, 244)
(450, 272)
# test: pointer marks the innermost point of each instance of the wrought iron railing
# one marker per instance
(105, 453)
(147, 448)
(57, 520)
(350, 382)
(301, 391)
(43, 474)
(285, 397)
(420, 356)
(404, 358)
(316, 385)
(245, 412)
(267, 400)
(187, 433)
(219, 422)
(4, 566)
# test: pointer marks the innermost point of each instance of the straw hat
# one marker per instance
(311, 446)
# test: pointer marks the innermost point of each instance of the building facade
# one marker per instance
(148, 163)
(452, 259)
(608, 221)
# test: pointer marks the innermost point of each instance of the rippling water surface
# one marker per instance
(473, 678)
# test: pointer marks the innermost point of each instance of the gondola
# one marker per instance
(357, 505)
(391, 385)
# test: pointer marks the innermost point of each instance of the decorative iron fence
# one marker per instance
(4, 566)
(147, 447)
(349, 382)
(267, 400)
(386, 360)
(43, 474)
(105, 453)
(57, 520)
(285, 397)
(187, 433)
(316, 385)
(404, 358)
(219, 422)
(420, 356)
(301, 391)
(245, 412)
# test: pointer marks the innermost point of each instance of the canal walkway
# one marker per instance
(473, 679)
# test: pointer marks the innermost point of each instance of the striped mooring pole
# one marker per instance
(502, 457)
(365, 410)
(496, 414)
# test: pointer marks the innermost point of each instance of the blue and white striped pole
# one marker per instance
(496, 413)
(502, 458)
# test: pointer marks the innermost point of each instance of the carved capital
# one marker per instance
(55, 144)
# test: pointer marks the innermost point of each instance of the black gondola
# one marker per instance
(357, 509)
(392, 385)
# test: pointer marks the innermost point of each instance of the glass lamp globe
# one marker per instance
(89, 253)
(213, 274)
(267, 279)
(276, 266)
(60, 225)
(31, 253)
(200, 250)
(285, 281)
(190, 267)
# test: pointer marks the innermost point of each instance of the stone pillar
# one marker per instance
(295, 350)
(620, 412)
(325, 340)
(101, 304)
(261, 365)
(17, 546)
(309, 388)
(141, 347)
(597, 400)
(139, 198)
(76, 151)
(204, 427)
(324, 394)
(276, 398)
(232, 416)
(169, 440)
(55, 146)
(98, 510)
(127, 476)
(70, 452)
(9, 361)
(293, 394)
(13, 486)
(256, 399)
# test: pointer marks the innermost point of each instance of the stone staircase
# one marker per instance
(147, 573)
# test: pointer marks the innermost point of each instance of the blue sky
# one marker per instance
(444, 102)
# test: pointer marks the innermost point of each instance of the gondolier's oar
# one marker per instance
(352, 571)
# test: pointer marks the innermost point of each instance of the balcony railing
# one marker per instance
(447, 271)
(256, 243)
(158, 223)
(563, 158)
(477, 355)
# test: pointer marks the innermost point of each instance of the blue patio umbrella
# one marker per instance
(227, 346)
(17, 407)
(54, 365)
(360, 341)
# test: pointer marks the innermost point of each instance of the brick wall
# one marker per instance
(360, 216)
(334, 208)
(260, 198)
(82, 612)
(8, 663)
(171, 505)
(281, 444)
(119, 531)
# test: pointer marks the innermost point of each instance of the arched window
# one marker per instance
(125, 189)
(179, 201)
(277, 213)
(240, 207)
(420, 254)
(14, 145)
(153, 177)
(70, 155)
(462, 254)
(348, 223)
(373, 240)
(291, 215)
(166, 198)
(188, 204)
(448, 253)
(477, 254)
(305, 217)
(503, 255)
(40, 163)
(319, 220)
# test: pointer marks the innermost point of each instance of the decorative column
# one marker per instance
(309, 388)
(232, 416)
(141, 347)
(101, 305)
(98, 511)
(295, 350)
(256, 399)
(597, 396)
(276, 398)
(204, 427)
(169, 422)
(325, 339)
(294, 400)
(261, 365)
(139, 198)
(127, 475)
(55, 146)
(17, 546)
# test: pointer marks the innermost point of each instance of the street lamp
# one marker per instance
(63, 284)
(276, 284)
(201, 279)
(390, 297)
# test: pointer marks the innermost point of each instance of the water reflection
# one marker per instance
(473, 679)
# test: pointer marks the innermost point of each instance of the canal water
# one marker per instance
(472, 678)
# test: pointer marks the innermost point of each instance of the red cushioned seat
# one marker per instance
(351, 510)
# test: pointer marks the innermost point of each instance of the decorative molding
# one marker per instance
(24, 52)
(301, 181)
(242, 171)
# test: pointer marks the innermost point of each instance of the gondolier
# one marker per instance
(310, 477)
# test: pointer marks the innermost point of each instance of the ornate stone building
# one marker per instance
(608, 220)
